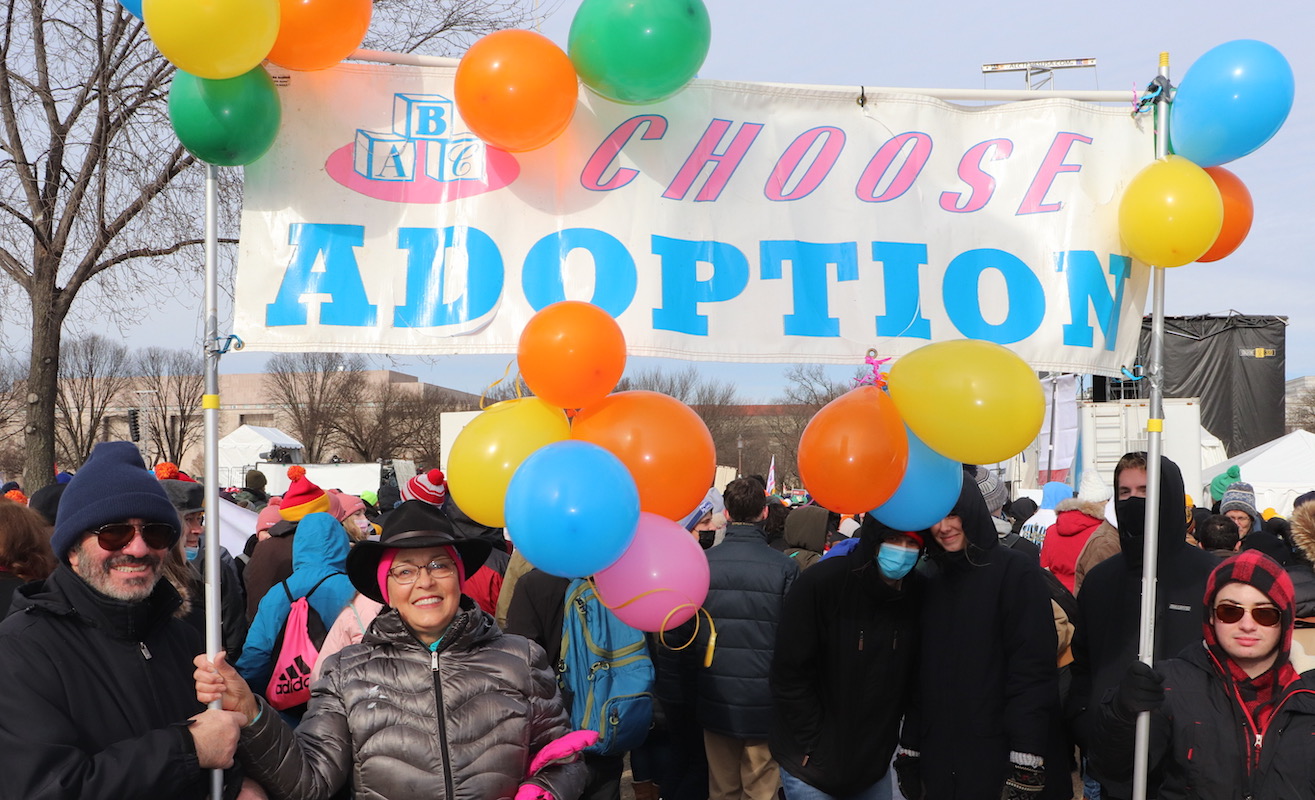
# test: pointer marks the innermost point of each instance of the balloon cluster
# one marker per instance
(1186, 207)
(898, 455)
(223, 105)
(596, 495)
(516, 90)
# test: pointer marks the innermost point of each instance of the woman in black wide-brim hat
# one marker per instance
(435, 702)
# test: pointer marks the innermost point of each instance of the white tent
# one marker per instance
(241, 449)
(1279, 470)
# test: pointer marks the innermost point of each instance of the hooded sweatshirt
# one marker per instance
(988, 678)
(805, 535)
(319, 551)
(1110, 602)
(1075, 521)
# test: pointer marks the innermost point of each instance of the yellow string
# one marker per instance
(662, 634)
(489, 388)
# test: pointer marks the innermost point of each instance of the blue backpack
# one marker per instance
(605, 673)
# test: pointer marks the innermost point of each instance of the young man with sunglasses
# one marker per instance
(98, 698)
(1233, 715)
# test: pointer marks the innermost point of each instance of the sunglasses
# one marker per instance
(1267, 616)
(117, 535)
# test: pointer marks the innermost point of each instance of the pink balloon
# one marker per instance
(661, 579)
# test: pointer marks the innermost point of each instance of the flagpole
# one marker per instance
(1154, 429)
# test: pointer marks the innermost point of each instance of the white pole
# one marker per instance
(210, 412)
(1154, 429)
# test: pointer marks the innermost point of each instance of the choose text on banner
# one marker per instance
(734, 222)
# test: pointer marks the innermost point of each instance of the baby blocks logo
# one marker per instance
(421, 159)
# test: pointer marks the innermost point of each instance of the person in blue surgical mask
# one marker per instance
(843, 667)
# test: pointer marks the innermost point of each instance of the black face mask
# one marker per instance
(706, 538)
(1131, 513)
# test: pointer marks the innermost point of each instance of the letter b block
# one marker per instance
(422, 116)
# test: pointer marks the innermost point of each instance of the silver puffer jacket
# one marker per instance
(403, 723)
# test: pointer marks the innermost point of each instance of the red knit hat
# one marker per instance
(431, 487)
(302, 497)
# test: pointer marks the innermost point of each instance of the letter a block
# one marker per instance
(384, 156)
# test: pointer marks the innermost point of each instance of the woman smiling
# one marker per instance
(435, 701)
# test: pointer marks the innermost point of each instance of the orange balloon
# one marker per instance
(516, 90)
(853, 452)
(571, 354)
(316, 34)
(663, 443)
(1238, 213)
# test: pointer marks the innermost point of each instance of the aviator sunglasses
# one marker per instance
(117, 535)
(1267, 616)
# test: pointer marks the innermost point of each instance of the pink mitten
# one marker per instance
(529, 791)
(560, 749)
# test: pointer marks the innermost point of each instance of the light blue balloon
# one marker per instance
(928, 491)
(134, 7)
(572, 508)
(1231, 101)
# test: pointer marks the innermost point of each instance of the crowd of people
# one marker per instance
(991, 655)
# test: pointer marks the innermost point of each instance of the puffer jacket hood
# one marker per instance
(1074, 516)
(1303, 530)
(805, 528)
(320, 546)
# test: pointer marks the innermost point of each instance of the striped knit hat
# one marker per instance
(431, 487)
(302, 497)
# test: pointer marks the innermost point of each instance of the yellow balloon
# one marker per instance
(1171, 213)
(968, 400)
(213, 39)
(490, 448)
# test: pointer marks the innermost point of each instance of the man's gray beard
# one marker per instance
(98, 575)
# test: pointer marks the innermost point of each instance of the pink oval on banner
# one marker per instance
(501, 168)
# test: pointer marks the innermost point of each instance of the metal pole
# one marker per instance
(1154, 429)
(1050, 457)
(210, 413)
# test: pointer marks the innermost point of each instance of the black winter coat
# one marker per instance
(843, 669)
(1110, 601)
(988, 681)
(1200, 744)
(97, 693)
(748, 582)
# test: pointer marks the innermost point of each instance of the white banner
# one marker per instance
(732, 222)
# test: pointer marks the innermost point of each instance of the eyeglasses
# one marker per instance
(1267, 616)
(117, 535)
(406, 574)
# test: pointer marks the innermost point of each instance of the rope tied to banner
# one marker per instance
(877, 378)
(1147, 100)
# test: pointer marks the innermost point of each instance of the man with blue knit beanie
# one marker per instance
(99, 698)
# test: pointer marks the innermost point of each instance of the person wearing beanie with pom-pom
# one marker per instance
(99, 699)
(430, 487)
(1232, 715)
(271, 560)
(1239, 505)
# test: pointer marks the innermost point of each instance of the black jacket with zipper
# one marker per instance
(97, 695)
(1202, 745)
(842, 672)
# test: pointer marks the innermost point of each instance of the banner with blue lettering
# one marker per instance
(732, 222)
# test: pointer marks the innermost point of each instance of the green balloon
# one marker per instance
(228, 122)
(639, 51)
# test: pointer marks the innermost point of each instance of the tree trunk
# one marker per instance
(42, 386)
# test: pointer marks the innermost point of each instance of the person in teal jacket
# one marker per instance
(319, 552)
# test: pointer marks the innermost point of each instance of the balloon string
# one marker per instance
(662, 634)
(876, 379)
(484, 395)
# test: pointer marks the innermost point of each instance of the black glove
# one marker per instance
(1142, 689)
(1025, 783)
(908, 774)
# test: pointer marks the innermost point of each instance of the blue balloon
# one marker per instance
(572, 508)
(928, 491)
(134, 7)
(1231, 101)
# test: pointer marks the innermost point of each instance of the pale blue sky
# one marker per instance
(943, 43)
